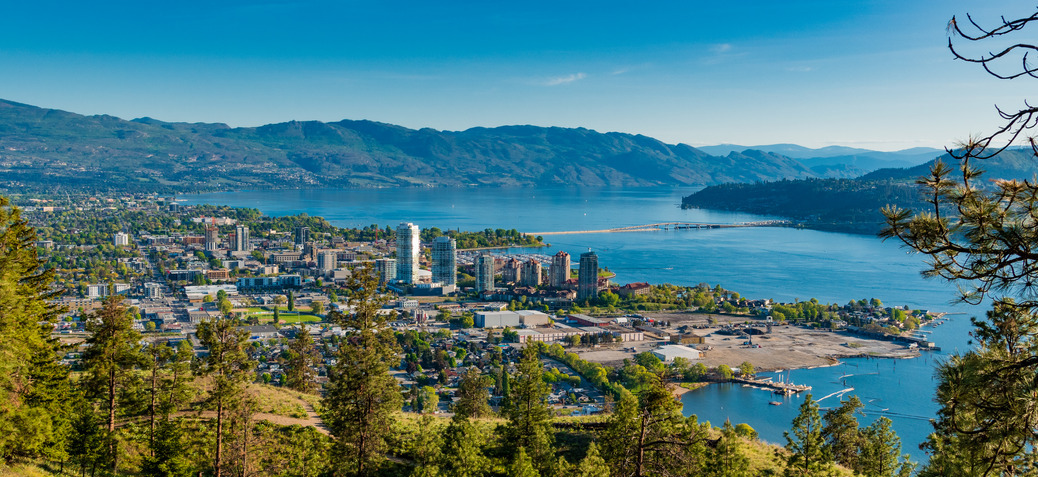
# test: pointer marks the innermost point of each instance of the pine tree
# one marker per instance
(529, 417)
(522, 466)
(34, 417)
(473, 395)
(881, 452)
(462, 452)
(427, 448)
(301, 375)
(806, 447)
(841, 434)
(727, 459)
(593, 465)
(361, 396)
(231, 370)
(646, 435)
(112, 356)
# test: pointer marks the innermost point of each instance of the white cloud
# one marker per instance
(559, 80)
(800, 69)
(722, 48)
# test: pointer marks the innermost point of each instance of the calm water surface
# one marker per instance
(766, 262)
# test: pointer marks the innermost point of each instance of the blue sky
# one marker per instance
(870, 74)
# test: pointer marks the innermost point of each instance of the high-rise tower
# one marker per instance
(484, 272)
(445, 261)
(558, 272)
(241, 239)
(587, 278)
(407, 252)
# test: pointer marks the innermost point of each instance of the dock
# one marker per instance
(778, 387)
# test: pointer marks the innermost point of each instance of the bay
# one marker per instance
(781, 263)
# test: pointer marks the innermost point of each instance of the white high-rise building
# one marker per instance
(241, 239)
(444, 261)
(122, 239)
(407, 248)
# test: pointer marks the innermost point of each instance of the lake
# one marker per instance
(758, 262)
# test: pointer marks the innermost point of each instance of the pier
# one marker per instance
(778, 387)
(669, 226)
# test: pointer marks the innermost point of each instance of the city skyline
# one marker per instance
(863, 74)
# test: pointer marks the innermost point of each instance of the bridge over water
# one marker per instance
(669, 226)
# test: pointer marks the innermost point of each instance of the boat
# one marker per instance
(775, 403)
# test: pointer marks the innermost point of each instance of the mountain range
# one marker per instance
(45, 149)
(851, 205)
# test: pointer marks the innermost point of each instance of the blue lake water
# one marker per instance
(766, 262)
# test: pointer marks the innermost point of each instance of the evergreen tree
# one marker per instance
(979, 232)
(111, 358)
(291, 301)
(806, 447)
(301, 375)
(881, 452)
(522, 466)
(427, 448)
(506, 387)
(529, 417)
(231, 370)
(593, 465)
(169, 452)
(646, 435)
(35, 417)
(727, 460)
(277, 315)
(462, 453)
(841, 434)
(361, 396)
(473, 395)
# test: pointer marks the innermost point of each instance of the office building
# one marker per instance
(444, 261)
(407, 249)
(241, 239)
(386, 268)
(531, 273)
(558, 271)
(484, 272)
(122, 239)
(302, 235)
(212, 239)
(587, 276)
(327, 261)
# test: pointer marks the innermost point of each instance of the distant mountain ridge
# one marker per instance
(849, 205)
(45, 149)
(863, 160)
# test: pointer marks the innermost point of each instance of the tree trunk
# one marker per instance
(219, 434)
(641, 450)
(154, 375)
(111, 419)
